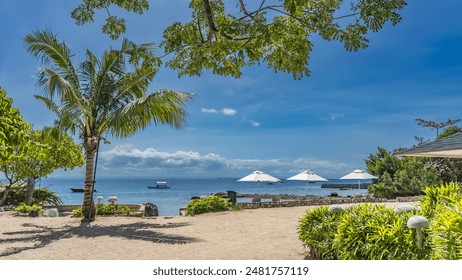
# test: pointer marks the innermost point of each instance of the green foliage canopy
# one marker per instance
(224, 36)
(13, 130)
(56, 150)
(400, 176)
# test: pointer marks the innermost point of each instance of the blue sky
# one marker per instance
(328, 122)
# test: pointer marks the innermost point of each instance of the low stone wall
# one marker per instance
(70, 208)
(310, 202)
(345, 186)
(409, 198)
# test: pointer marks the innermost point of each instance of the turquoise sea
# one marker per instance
(169, 201)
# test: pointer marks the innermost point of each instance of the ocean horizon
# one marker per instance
(169, 201)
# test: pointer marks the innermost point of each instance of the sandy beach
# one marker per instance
(258, 234)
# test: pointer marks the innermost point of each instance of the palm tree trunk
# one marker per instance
(88, 207)
(30, 190)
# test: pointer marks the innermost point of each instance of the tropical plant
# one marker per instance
(225, 36)
(444, 195)
(446, 231)
(207, 204)
(383, 162)
(442, 205)
(56, 150)
(375, 232)
(104, 210)
(109, 209)
(52, 150)
(401, 176)
(13, 130)
(77, 213)
(409, 181)
(317, 230)
(361, 232)
(25, 208)
(102, 96)
(40, 196)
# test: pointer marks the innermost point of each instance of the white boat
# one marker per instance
(160, 185)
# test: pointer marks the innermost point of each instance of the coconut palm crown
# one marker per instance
(100, 96)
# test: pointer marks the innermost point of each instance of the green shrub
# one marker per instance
(77, 213)
(207, 204)
(444, 195)
(104, 210)
(410, 181)
(373, 231)
(24, 208)
(376, 232)
(317, 230)
(443, 205)
(361, 232)
(41, 196)
(446, 232)
(109, 209)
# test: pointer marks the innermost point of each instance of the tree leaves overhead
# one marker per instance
(225, 36)
(14, 131)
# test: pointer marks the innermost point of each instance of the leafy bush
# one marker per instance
(401, 176)
(444, 195)
(376, 232)
(109, 209)
(446, 232)
(104, 210)
(77, 213)
(24, 208)
(41, 196)
(317, 231)
(373, 231)
(443, 205)
(409, 181)
(207, 204)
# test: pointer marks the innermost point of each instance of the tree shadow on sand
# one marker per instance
(35, 236)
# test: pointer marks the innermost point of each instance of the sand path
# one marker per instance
(263, 234)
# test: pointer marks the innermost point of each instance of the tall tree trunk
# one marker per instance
(88, 207)
(5, 194)
(30, 190)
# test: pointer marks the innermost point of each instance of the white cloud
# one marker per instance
(224, 111)
(229, 111)
(210, 111)
(254, 123)
(334, 116)
(251, 122)
(130, 161)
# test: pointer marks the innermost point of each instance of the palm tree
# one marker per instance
(102, 96)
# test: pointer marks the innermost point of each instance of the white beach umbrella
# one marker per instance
(358, 175)
(307, 176)
(259, 176)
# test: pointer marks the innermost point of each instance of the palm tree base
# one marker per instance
(87, 220)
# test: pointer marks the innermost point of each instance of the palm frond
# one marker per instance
(44, 45)
(162, 107)
(52, 106)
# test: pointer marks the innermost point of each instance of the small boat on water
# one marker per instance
(79, 190)
(159, 185)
